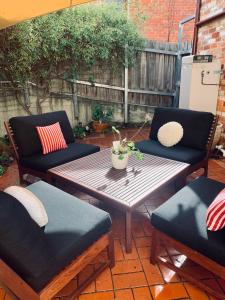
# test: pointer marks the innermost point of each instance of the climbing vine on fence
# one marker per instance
(61, 44)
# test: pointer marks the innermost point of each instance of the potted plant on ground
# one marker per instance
(81, 131)
(2, 170)
(5, 161)
(123, 148)
(101, 117)
(5, 155)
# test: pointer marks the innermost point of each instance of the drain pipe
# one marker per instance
(179, 58)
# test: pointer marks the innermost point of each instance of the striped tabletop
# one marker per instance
(128, 187)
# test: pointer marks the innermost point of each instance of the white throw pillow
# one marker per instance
(32, 204)
(170, 134)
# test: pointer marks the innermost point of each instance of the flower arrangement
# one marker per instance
(123, 148)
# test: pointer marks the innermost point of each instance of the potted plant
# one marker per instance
(81, 131)
(123, 148)
(2, 170)
(101, 117)
(5, 155)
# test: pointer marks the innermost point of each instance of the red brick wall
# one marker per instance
(211, 40)
(163, 17)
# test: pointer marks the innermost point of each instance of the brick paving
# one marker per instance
(133, 277)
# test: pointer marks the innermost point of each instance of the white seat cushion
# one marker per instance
(32, 204)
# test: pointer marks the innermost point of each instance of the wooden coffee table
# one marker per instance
(125, 189)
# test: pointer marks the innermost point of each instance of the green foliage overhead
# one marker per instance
(76, 38)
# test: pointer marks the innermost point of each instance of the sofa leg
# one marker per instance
(8, 292)
(49, 179)
(110, 251)
(21, 180)
(154, 246)
(205, 170)
(180, 183)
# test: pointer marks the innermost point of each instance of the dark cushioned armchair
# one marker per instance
(27, 146)
(36, 263)
(180, 223)
(194, 148)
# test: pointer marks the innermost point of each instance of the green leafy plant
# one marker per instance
(5, 159)
(64, 45)
(4, 140)
(122, 146)
(5, 154)
(4, 145)
(101, 114)
(80, 131)
(2, 170)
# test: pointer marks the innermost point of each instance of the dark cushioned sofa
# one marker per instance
(181, 223)
(193, 147)
(37, 255)
(29, 152)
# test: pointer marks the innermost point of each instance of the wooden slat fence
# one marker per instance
(151, 82)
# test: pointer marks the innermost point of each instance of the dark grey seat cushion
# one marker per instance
(73, 226)
(25, 133)
(196, 125)
(183, 217)
(177, 152)
(42, 162)
(23, 244)
(37, 255)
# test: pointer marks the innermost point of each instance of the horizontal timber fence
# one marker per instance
(152, 81)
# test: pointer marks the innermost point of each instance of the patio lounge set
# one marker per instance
(37, 262)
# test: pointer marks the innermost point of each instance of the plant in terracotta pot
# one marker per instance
(101, 117)
(123, 148)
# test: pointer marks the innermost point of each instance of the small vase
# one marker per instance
(119, 164)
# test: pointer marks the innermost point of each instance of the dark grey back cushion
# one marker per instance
(25, 133)
(196, 125)
(23, 244)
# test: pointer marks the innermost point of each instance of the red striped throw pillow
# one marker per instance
(215, 218)
(51, 138)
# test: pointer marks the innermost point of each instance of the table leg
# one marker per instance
(128, 232)
(180, 183)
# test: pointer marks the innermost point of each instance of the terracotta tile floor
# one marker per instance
(133, 277)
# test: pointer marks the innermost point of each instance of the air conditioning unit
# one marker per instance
(200, 77)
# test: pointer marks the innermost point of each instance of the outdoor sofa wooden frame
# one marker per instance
(174, 227)
(45, 176)
(204, 163)
(78, 150)
(22, 170)
(195, 256)
(19, 289)
(175, 114)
